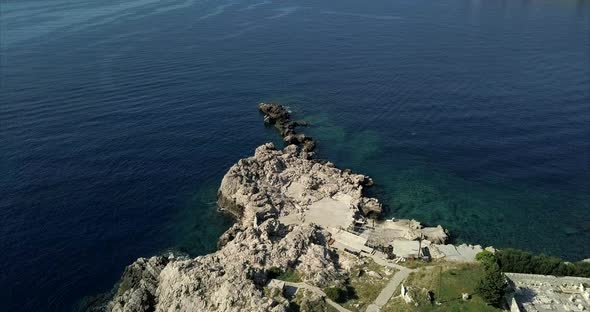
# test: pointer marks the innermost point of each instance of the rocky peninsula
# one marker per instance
(290, 210)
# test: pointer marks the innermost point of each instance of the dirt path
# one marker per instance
(389, 289)
(385, 294)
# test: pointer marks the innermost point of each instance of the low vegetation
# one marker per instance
(492, 285)
(340, 294)
(485, 257)
(518, 261)
(365, 283)
(447, 282)
(306, 301)
(288, 275)
(415, 264)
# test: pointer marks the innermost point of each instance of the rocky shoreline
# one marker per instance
(287, 206)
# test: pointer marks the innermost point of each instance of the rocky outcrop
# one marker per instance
(278, 115)
(370, 206)
(275, 183)
(258, 190)
(138, 286)
(437, 235)
(232, 278)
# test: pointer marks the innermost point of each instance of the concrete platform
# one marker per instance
(330, 213)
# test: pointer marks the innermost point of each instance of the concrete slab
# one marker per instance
(545, 293)
(461, 253)
(406, 248)
(295, 190)
(291, 219)
(348, 240)
(329, 212)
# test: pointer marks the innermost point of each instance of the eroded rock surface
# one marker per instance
(276, 183)
(278, 115)
(232, 278)
(259, 191)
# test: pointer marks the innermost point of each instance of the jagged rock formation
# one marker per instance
(278, 115)
(286, 204)
(232, 278)
(258, 190)
(276, 183)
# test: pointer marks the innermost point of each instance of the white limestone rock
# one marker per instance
(257, 187)
(257, 190)
(230, 279)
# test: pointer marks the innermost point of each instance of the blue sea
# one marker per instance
(119, 118)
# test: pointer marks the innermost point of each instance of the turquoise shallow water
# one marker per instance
(119, 119)
(487, 208)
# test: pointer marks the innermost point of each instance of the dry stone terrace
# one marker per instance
(545, 293)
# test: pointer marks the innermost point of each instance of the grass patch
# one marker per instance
(397, 304)
(367, 284)
(305, 301)
(288, 275)
(415, 264)
(448, 281)
(340, 294)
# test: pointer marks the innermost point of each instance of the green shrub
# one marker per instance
(337, 294)
(493, 285)
(274, 272)
(486, 258)
(288, 275)
(518, 261)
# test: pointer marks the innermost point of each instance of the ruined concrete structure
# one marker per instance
(546, 293)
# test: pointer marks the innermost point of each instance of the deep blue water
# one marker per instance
(119, 118)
